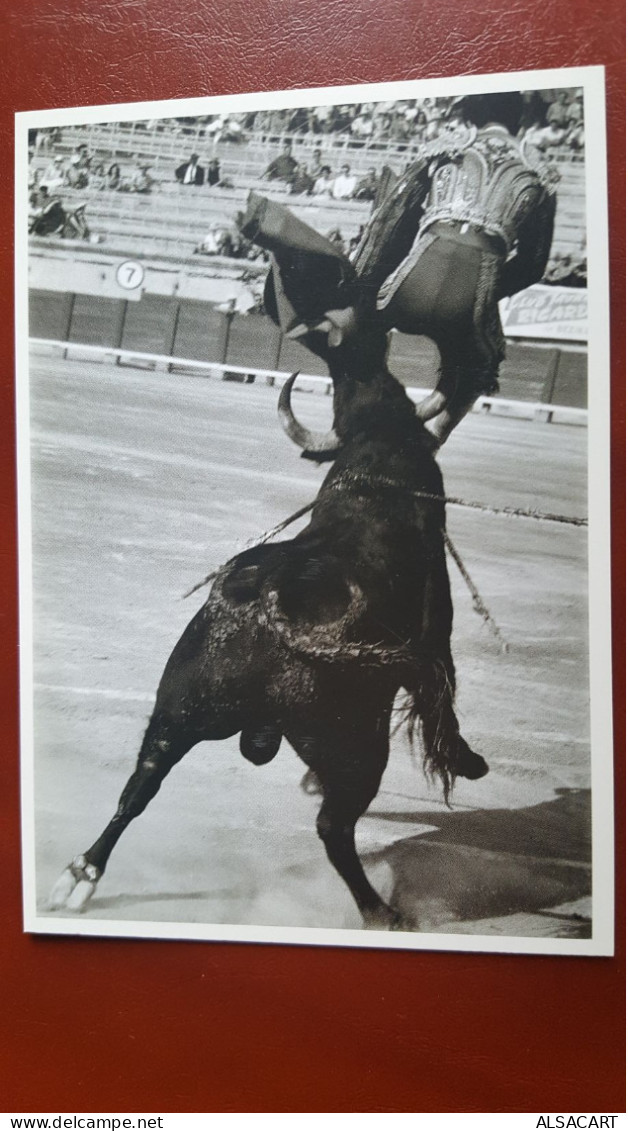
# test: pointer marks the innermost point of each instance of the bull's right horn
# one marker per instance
(315, 445)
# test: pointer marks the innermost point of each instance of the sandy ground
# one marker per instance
(143, 483)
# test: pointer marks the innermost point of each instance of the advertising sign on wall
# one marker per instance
(556, 313)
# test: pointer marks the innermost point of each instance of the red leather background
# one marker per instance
(95, 1025)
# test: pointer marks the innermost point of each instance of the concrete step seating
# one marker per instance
(181, 215)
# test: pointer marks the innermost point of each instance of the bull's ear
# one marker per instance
(320, 446)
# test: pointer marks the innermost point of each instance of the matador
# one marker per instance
(470, 223)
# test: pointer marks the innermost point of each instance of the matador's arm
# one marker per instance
(528, 264)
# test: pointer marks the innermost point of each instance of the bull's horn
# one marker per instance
(315, 445)
(431, 406)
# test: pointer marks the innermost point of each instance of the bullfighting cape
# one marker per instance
(310, 275)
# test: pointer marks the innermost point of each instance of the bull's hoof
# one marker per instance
(385, 918)
(310, 784)
(75, 886)
(470, 765)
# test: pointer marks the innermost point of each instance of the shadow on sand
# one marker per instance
(494, 863)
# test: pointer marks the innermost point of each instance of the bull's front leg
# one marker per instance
(164, 745)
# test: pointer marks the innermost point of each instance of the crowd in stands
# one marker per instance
(552, 125)
(81, 171)
(314, 178)
(551, 119)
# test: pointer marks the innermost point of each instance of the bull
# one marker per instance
(313, 638)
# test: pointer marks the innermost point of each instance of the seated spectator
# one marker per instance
(324, 182)
(77, 173)
(569, 270)
(302, 182)
(221, 239)
(226, 128)
(340, 119)
(75, 227)
(47, 215)
(335, 238)
(575, 124)
(433, 116)
(557, 111)
(344, 184)
(277, 122)
(299, 121)
(320, 119)
(190, 172)
(362, 127)
(283, 167)
(54, 174)
(114, 177)
(98, 177)
(141, 180)
(316, 164)
(366, 189)
(381, 126)
(400, 128)
(213, 172)
(548, 137)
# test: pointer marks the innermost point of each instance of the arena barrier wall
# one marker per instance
(307, 382)
(165, 326)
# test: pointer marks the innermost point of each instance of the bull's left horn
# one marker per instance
(315, 445)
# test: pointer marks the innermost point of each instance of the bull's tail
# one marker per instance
(429, 711)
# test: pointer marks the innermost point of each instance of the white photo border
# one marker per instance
(592, 82)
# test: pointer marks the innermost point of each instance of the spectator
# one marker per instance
(335, 238)
(299, 121)
(366, 189)
(575, 124)
(190, 172)
(283, 167)
(221, 239)
(77, 173)
(54, 174)
(34, 179)
(302, 182)
(324, 182)
(213, 172)
(316, 164)
(277, 122)
(340, 119)
(362, 127)
(547, 138)
(344, 184)
(98, 178)
(433, 116)
(557, 110)
(113, 178)
(568, 270)
(320, 119)
(400, 128)
(141, 180)
(75, 226)
(47, 215)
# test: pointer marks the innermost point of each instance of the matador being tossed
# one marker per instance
(468, 224)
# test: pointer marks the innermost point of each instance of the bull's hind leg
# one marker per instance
(349, 769)
(165, 743)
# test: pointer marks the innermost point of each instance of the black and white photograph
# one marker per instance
(313, 439)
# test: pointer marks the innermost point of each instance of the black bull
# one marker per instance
(312, 638)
